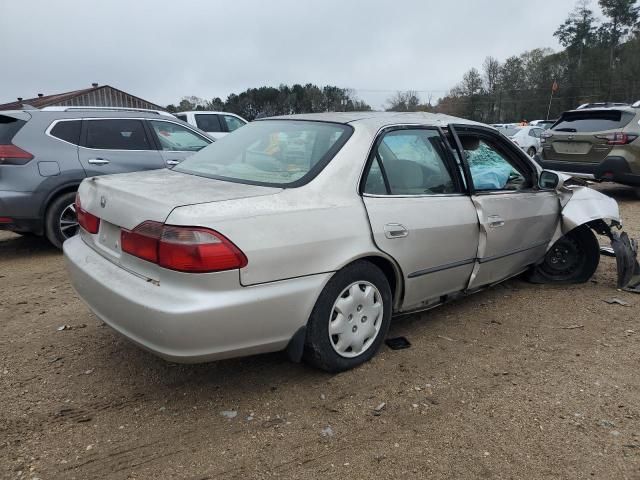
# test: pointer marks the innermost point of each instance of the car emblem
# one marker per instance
(103, 202)
(570, 137)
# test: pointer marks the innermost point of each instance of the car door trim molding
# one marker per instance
(469, 261)
(513, 252)
(439, 268)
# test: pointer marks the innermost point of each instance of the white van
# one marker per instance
(216, 124)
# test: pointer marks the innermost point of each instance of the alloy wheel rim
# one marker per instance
(355, 319)
(68, 222)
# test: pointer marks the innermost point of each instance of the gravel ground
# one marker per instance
(520, 381)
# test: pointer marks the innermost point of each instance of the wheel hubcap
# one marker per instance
(68, 222)
(355, 320)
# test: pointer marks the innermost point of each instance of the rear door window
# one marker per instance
(117, 134)
(69, 131)
(592, 121)
(535, 132)
(233, 123)
(208, 122)
(413, 162)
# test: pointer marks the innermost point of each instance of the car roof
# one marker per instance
(208, 112)
(88, 113)
(379, 119)
(627, 108)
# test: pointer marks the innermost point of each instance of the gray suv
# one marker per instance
(45, 154)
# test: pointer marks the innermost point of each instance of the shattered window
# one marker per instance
(490, 169)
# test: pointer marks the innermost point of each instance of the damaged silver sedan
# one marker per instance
(309, 232)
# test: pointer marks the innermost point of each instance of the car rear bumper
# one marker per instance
(613, 168)
(186, 323)
(21, 208)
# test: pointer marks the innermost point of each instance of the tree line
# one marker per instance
(285, 100)
(600, 62)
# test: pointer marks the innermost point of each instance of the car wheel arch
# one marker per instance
(61, 190)
(393, 274)
(391, 270)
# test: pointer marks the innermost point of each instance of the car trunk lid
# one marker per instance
(127, 200)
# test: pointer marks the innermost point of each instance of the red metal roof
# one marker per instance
(49, 100)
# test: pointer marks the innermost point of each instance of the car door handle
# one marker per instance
(395, 230)
(495, 221)
(98, 161)
(173, 162)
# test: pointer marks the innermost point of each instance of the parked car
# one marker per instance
(595, 143)
(45, 154)
(528, 139)
(241, 249)
(216, 124)
(545, 124)
(505, 126)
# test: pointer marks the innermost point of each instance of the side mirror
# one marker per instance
(548, 180)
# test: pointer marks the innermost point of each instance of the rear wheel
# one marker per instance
(350, 319)
(572, 259)
(61, 222)
(531, 151)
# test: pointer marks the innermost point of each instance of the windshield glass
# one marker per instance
(284, 153)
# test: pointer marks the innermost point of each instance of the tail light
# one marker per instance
(617, 138)
(88, 221)
(12, 155)
(544, 136)
(185, 249)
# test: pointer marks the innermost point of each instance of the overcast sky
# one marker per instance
(162, 50)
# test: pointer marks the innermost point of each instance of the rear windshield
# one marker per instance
(592, 121)
(282, 153)
(9, 126)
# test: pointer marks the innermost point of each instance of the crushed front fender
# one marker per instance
(582, 205)
(626, 251)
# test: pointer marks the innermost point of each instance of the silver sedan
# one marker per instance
(309, 232)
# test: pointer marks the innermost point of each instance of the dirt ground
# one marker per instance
(521, 381)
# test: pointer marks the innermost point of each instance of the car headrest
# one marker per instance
(405, 174)
(470, 143)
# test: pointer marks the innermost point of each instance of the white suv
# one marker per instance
(216, 124)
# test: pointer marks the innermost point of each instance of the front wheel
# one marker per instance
(573, 258)
(61, 222)
(350, 319)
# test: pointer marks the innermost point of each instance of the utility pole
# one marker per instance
(554, 88)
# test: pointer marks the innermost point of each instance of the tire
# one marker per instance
(61, 211)
(369, 314)
(531, 152)
(572, 259)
